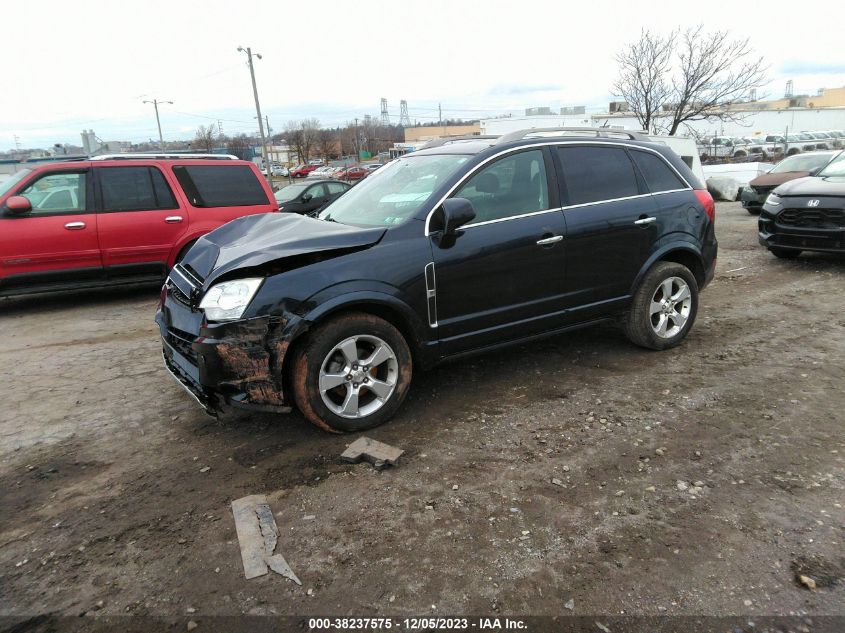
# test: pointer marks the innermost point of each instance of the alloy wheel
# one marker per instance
(670, 307)
(358, 376)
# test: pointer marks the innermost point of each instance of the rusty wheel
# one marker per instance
(352, 373)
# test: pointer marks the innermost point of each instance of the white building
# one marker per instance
(750, 123)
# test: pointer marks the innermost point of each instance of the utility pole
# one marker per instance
(220, 127)
(249, 55)
(440, 115)
(155, 103)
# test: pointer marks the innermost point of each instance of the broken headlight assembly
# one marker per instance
(227, 300)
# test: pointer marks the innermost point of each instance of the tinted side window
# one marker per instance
(220, 185)
(594, 173)
(59, 192)
(658, 175)
(512, 185)
(134, 189)
(317, 191)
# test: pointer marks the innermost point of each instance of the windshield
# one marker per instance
(801, 162)
(836, 167)
(13, 180)
(395, 192)
(289, 193)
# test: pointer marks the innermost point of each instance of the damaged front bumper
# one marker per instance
(234, 364)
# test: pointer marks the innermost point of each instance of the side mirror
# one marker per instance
(456, 213)
(18, 205)
(306, 197)
(815, 172)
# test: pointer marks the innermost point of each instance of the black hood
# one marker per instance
(258, 239)
(813, 186)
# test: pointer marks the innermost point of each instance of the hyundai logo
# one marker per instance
(812, 203)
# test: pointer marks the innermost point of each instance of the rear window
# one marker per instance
(220, 185)
(658, 175)
(134, 189)
(593, 174)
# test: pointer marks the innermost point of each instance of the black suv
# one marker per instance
(807, 214)
(461, 247)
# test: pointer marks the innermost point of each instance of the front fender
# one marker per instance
(346, 296)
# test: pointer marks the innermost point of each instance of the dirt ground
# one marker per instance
(700, 480)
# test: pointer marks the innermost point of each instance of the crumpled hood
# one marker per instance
(813, 186)
(254, 240)
(769, 180)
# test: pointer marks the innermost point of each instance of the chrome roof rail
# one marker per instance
(155, 156)
(437, 142)
(596, 132)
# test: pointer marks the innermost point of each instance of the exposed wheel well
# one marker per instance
(688, 259)
(391, 315)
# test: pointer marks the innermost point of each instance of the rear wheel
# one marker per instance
(784, 253)
(352, 373)
(664, 307)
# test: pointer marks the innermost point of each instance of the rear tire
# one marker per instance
(352, 373)
(664, 307)
(784, 253)
(753, 211)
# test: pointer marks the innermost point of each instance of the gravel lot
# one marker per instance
(577, 472)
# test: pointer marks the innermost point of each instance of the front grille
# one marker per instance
(181, 342)
(812, 218)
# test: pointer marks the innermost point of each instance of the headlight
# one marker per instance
(773, 200)
(228, 300)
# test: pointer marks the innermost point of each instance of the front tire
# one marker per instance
(352, 373)
(664, 307)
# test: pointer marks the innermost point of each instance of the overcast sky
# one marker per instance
(90, 64)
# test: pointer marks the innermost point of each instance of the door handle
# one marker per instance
(173, 219)
(75, 226)
(554, 239)
(645, 221)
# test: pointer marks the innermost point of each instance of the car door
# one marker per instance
(610, 224)
(55, 242)
(139, 220)
(502, 277)
(318, 197)
(336, 189)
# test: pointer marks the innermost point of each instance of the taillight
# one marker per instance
(706, 201)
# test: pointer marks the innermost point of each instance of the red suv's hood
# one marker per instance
(259, 239)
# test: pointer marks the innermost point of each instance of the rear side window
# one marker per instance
(593, 174)
(336, 187)
(134, 189)
(658, 175)
(220, 185)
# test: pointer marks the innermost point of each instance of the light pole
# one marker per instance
(249, 55)
(155, 103)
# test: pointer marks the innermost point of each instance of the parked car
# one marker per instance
(308, 196)
(117, 219)
(798, 166)
(451, 250)
(806, 214)
(316, 161)
(722, 147)
(302, 171)
(371, 167)
(354, 173)
(321, 172)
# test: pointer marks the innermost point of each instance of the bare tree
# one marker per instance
(295, 139)
(643, 81)
(205, 138)
(327, 143)
(715, 73)
(310, 135)
(238, 146)
(712, 72)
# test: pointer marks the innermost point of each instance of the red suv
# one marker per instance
(117, 219)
